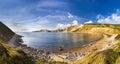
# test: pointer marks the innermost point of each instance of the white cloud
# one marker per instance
(41, 22)
(114, 18)
(60, 26)
(70, 15)
(88, 22)
(63, 26)
(21, 25)
(75, 22)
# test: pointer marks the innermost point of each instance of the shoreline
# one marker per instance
(91, 43)
(70, 55)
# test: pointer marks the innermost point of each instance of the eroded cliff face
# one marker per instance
(95, 28)
(107, 56)
(8, 54)
(5, 33)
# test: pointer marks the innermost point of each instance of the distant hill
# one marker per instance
(10, 55)
(95, 28)
(45, 30)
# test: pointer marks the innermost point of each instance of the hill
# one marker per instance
(108, 56)
(11, 55)
(95, 28)
(8, 54)
(5, 33)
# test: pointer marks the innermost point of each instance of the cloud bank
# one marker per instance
(88, 22)
(41, 22)
(113, 18)
(63, 26)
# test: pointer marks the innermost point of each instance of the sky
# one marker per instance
(31, 15)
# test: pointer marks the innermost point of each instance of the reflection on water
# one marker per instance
(51, 41)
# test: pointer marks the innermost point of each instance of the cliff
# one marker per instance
(107, 56)
(8, 54)
(95, 28)
(5, 33)
(11, 55)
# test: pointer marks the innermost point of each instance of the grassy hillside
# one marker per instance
(10, 55)
(109, 56)
(98, 28)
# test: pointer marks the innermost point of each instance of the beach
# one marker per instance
(71, 55)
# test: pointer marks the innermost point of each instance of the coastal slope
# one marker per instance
(95, 28)
(15, 55)
(109, 55)
(8, 54)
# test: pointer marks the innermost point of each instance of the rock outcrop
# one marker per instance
(13, 52)
(5, 33)
(8, 54)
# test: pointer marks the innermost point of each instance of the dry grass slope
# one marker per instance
(109, 56)
(98, 28)
(10, 55)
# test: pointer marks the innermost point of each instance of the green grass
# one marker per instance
(109, 56)
(9, 55)
(44, 62)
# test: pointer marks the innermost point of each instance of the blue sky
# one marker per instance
(29, 15)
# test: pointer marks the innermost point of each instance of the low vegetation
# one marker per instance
(10, 55)
(98, 28)
(109, 56)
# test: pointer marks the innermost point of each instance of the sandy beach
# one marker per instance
(71, 55)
